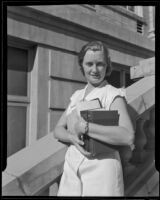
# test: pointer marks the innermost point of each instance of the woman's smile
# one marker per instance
(96, 76)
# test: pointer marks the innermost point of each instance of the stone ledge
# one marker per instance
(152, 182)
(141, 96)
(141, 175)
(51, 39)
(89, 21)
(34, 167)
(150, 188)
(11, 186)
(146, 67)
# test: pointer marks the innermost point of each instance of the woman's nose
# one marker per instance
(94, 68)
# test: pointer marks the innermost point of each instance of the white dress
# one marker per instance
(101, 176)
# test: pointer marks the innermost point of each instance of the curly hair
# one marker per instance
(95, 46)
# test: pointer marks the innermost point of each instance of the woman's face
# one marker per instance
(94, 66)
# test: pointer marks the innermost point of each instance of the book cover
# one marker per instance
(88, 105)
(102, 117)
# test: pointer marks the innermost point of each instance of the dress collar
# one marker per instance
(104, 83)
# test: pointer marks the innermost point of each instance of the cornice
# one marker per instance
(132, 43)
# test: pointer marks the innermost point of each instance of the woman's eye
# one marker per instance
(89, 64)
(101, 64)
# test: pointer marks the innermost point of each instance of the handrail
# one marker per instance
(33, 168)
(38, 166)
(141, 96)
(146, 67)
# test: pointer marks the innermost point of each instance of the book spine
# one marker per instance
(87, 137)
(91, 148)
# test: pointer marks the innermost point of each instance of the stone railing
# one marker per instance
(32, 170)
(36, 168)
(141, 167)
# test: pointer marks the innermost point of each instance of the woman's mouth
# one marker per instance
(95, 76)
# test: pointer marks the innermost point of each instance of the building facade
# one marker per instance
(43, 72)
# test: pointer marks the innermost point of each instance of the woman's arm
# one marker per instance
(64, 129)
(62, 133)
(117, 135)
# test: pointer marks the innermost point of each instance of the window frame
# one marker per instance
(127, 8)
(27, 114)
(138, 10)
(15, 100)
(126, 72)
(123, 71)
(137, 15)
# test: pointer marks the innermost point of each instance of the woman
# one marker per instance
(101, 175)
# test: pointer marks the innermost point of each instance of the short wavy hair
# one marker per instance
(95, 46)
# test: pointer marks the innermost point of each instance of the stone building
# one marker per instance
(43, 42)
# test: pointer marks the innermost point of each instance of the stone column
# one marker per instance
(151, 30)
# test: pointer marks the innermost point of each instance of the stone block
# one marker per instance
(152, 182)
(146, 67)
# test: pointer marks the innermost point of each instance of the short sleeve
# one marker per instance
(72, 103)
(114, 92)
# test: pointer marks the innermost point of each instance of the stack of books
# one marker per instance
(93, 112)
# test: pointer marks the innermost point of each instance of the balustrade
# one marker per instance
(144, 143)
(140, 140)
(150, 132)
(143, 139)
(126, 155)
(142, 158)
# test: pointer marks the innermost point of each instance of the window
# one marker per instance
(18, 98)
(138, 10)
(128, 81)
(17, 71)
(130, 8)
(114, 78)
(120, 76)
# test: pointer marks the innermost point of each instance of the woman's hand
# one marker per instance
(76, 124)
(78, 144)
(80, 126)
(76, 127)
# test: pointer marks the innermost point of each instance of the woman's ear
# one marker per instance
(109, 67)
(82, 70)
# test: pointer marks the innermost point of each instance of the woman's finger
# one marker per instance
(84, 152)
(80, 142)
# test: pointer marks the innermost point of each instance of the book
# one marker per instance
(102, 117)
(88, 105)
(83, 105)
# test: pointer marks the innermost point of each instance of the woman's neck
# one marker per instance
(90, 86)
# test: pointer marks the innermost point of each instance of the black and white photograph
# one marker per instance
(80, 108)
